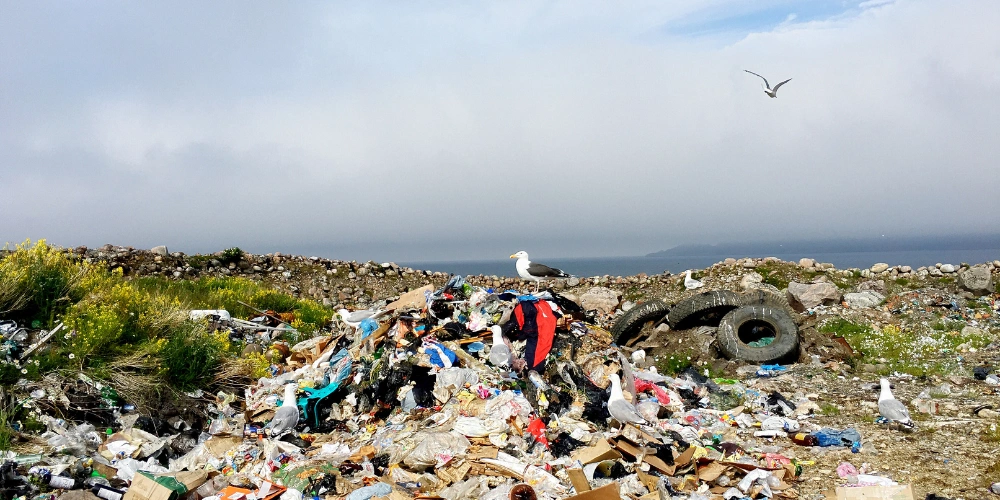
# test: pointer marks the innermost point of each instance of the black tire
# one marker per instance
(736, 327)
(706, 308)
(768, 298)
(634, 320)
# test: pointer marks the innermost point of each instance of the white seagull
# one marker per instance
(287, 415)
(891, 408)
(354, 318)
(768, 90)
(691, 283)
(499, 352)
(535, 272)
(622, 410)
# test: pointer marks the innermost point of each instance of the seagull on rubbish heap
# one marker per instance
(532, 271)
(287, 415)
(891, 408)
(691, 283)
(622, 410)
(500, 354)
(768, 90)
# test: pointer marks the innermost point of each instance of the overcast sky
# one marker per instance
(470, 130)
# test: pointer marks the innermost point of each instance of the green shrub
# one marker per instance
(233, 254)
(39, 282)
(191, 356)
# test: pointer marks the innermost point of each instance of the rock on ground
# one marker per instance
(160, 250)
(880, 267)
(804, 296)
(602, 299)
(977, 279)
(947, 268)
(862, 300)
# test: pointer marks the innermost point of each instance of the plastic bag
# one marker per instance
(436, 449)
(478, 427)
(369, 492)
(545, 484)
(649, 410)
(470, 489)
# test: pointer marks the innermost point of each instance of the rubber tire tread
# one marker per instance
(631, 323)
(706, 308)
(786, 340)
(768, 298)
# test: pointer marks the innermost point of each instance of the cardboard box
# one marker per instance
(608, 492)
(900, 492)
(267, 491)
(653, 460)
(579, 480)
(598, 453)
(146, 486)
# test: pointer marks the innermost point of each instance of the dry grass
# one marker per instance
(136, 377)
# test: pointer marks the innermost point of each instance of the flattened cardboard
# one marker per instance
(219, 445)
(608, 492)
(900, 492)
(597, 453)
(414, 299)
(712, 471)
(654, 461)
(579, 480)
(145, 488)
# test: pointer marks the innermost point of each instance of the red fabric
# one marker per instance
(537, 428)
(643, 386)
(546, 331)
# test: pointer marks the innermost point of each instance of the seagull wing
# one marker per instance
(285, 418)
(762, 78)
(775, 90)
(624, 412)
(894, 410)
(543, 271)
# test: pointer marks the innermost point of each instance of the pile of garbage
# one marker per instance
(459, 392)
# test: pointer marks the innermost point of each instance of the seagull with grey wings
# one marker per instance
(768, 90)
(533, 271)
(891, 408)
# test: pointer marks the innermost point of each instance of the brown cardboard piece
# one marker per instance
(597, 453)
(633, 451)
(608, 492)
(900, 492)
(579, 480)
(144, 488)
(414, 299)
(219, 445)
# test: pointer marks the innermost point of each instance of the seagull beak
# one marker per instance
(513, 256)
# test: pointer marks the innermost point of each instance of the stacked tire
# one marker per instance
(742, 321)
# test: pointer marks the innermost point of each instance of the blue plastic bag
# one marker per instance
(833, 437)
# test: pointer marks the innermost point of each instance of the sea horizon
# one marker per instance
(628, 266)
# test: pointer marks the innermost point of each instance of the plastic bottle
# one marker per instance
(803, 439)
(537, 379)
(59, 482)
(107, 492)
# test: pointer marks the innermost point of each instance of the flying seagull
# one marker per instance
(691, 283)
(535, 272)
(769, 91)
(499, 354)
(287, 415)
(623, 411)
(891, 408)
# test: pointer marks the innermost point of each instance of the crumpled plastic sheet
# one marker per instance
(369, 492)
(545, 485)
(451, 381)
(129, 466)
(435, 448)
(506, 405)
(470, 489)
(479, 427)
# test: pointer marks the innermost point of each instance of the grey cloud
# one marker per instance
(435, 131)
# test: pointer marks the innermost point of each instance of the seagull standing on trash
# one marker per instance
(691, 283)
(287, 415)
(622, 410)
(500, 354)
(891, 408)
(532, 271)
(768, 90)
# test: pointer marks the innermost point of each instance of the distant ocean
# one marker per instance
(627, 266)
